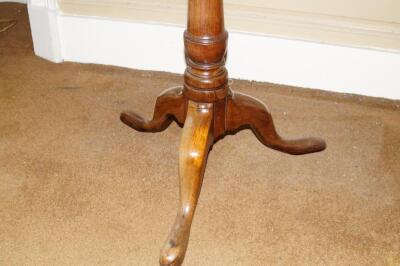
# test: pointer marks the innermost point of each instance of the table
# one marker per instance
(208, 110)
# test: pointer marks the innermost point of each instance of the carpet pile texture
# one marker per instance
(77, 187)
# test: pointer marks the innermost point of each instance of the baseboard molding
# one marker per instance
(43, 18)
(249, 17)
(149, 46)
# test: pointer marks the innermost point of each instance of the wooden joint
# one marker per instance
(205, 95)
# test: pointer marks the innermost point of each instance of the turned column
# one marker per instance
(206, 78)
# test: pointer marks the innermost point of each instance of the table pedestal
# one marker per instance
(208, 110)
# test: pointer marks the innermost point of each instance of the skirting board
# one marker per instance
(253, 57)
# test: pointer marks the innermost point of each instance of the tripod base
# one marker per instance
(204, 124)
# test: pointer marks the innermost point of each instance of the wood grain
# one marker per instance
(246, 112)
(209, 110)
(195, 144)
(170, 106)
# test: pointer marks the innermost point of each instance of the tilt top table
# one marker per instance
(207, 109)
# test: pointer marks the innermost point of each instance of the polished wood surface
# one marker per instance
(246, 112)
(196, 141)
(209, 110)
(170, 106)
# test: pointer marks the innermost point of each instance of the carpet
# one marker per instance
(78, 187)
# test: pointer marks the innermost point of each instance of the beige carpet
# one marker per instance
(77, 187)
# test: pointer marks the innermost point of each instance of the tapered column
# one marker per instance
(206, 78)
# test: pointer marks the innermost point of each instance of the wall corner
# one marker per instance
(43, 18)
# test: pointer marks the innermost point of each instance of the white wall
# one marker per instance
(359, 23)
(59, 36)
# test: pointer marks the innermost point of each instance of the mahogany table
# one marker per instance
(207, 109)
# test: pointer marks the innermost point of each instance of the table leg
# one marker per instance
(196, 141)
(246, 112)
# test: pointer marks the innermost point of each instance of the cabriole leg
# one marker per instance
(195, 144)
(246, 112)
(170, 106)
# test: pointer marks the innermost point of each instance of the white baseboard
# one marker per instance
(254, 57)
(45, 29)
